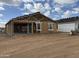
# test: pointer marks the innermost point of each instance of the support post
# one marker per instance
(32, 27)
(27, 28)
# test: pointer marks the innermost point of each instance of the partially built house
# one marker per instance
(32, 23)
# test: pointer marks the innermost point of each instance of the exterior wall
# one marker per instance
(66, 27)
(45, 27)
(77, 25)
(9, 28)
(55, 27)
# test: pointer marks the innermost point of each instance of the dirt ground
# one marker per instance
(54, 45)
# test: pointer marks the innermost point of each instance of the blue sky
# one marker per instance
(55, 9)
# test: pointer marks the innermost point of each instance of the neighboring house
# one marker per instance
(2, 27)
(68, 24)
(32, 23)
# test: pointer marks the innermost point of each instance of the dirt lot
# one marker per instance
(39, 45)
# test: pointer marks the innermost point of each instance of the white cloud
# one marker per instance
(76, 9)
(58, 9)
(65, 1)
(1, 4)
(1, 15)
(26, 13)
(10, 2)
(69, 13)
(38, 6)
(31, 8)
(2, 25)
(75, 12)
(27, 1)
(57, 5)
(32, 1)
(55, 19)
(16, 2)
(53, 10)
(39, 0)
(47, 13)
(28, 6)
(1, 8)
(47, 6)
(66, 14)
(48, 0)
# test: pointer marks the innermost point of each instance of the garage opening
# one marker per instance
(22, 28)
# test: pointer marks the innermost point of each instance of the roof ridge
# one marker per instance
(70, 19)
